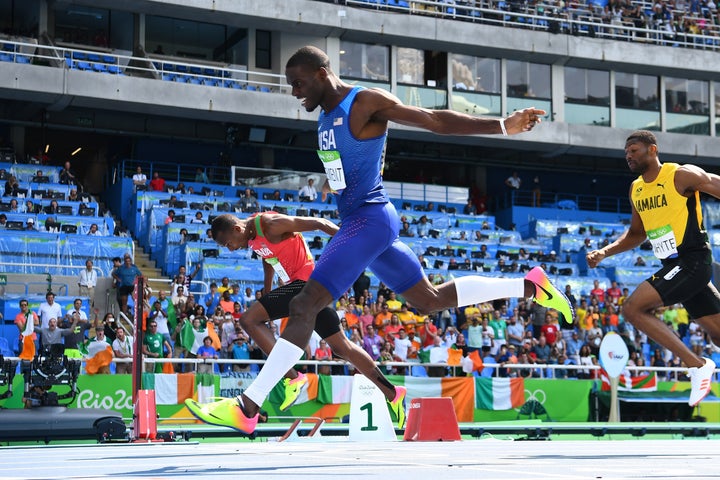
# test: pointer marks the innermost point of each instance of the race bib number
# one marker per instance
(333, 169)
(275, 264)
(663, 242)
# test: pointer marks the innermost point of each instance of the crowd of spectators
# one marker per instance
(665, 22)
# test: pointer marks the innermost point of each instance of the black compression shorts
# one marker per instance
(277, 305)
(686, 280)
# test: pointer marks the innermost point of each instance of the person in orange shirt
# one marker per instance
(382, 319)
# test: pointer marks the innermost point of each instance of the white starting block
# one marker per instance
(369, 414)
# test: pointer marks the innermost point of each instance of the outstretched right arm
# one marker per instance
(631, 238)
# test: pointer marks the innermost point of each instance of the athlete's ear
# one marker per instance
(653, 149)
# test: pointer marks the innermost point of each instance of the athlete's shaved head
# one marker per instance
(642, 136)
(223, 224)
(309, 56)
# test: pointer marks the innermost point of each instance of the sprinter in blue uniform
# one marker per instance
(352, 131)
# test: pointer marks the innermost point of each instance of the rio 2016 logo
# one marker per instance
(89, 399)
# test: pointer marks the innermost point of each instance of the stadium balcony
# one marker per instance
(580, 19)
(178, 70)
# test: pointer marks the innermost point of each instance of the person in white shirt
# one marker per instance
(123, 348)
(139, 179)
(402, 345)
(93, 231)
(87, 281)
(76, 311)
(49, 309)
(308, 192)
(198, 218)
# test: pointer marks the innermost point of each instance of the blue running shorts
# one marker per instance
(368, 238)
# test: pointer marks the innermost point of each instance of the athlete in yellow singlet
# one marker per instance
(666, 210)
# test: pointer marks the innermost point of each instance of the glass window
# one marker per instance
(19, 17)
(588, 87)
(637, 98)
(185, 38)
(687, 107)
(716, 86)
(363, 61)
(475, 73)
(528, 80)
(587, 96)
(637, 91)
(686, 96)
(82, 25)
(411, 66)
(476, 85)
(263, 49)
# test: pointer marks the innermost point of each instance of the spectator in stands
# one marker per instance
(160, 316)
(122, 348)
(11, 186)
(206, 351)
(66, 175)
(180, 188)
(513, 182)
(24, 316)
(155, 346)
(191, 190)
(613, 293)
(52, 209)
(139, 179)
(422, 228)
(14, 207)
(87, 281)
(248, 202)
(372, 343)
(200, 176)
(49, 309)
(598, 292)
(406, 230)
(277, 196)
(227, 303)
(52, 334)
(179, 298)
(308, 192)
(157, 184)
(198, 218)
(73, 196)
(469, 208)
(30, 207)
(93, 231)
(124, 276)
(640, 262)
(30, 224)
(3, 221)
(170, 216)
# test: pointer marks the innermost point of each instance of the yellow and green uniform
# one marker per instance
(674, 223)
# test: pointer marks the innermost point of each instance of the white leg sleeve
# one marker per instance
(283, 357)
(476, 289)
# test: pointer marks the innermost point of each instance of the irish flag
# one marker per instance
(97, 355)
(28, 342)
(460, 389)
(499, 393)
(628, 383)
(170, 388)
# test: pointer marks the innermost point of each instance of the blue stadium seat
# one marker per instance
(4, 57)
(22, 59)
(114, 69)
